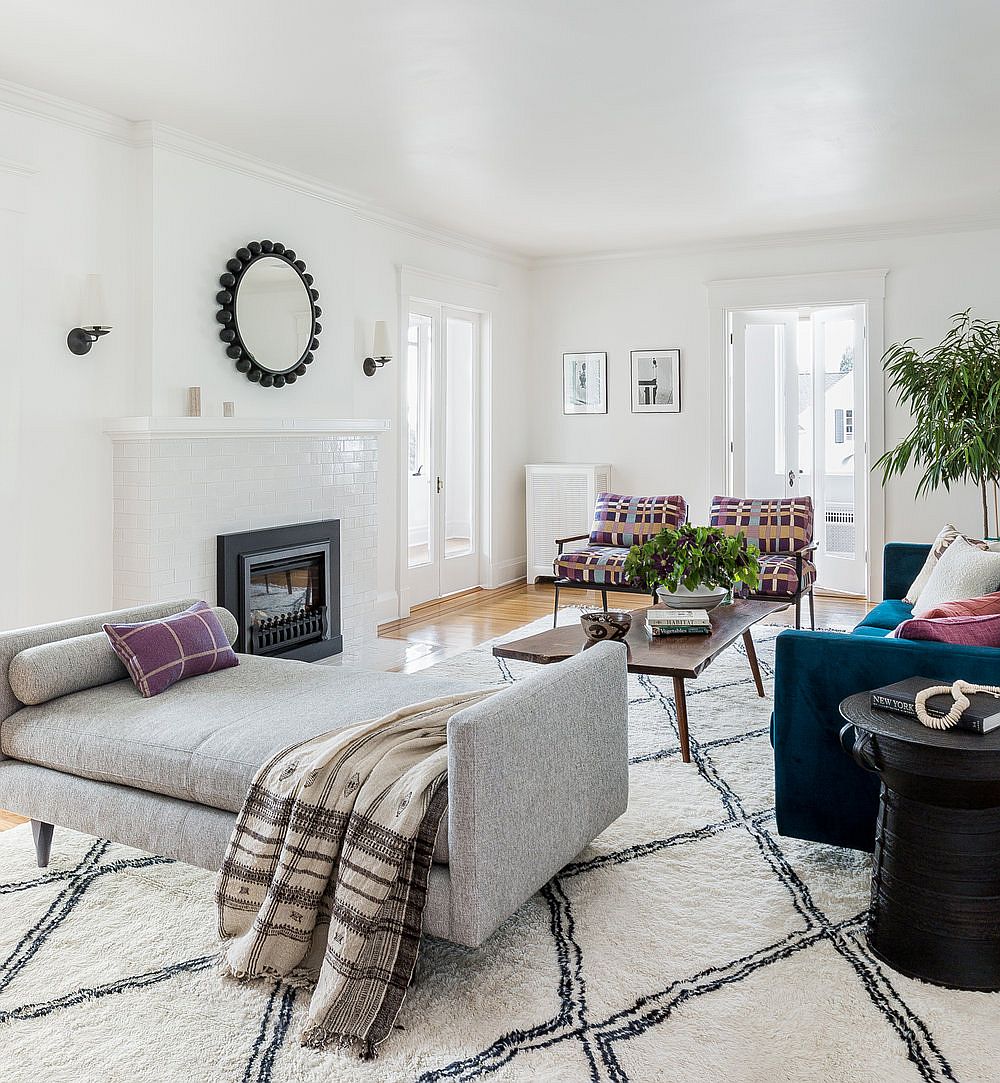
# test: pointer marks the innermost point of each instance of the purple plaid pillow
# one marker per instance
(159, 653)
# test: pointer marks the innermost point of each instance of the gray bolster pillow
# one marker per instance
(50, 670)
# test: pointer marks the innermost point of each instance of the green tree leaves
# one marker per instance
(952, 391)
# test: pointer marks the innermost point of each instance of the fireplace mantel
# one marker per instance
(145, 428)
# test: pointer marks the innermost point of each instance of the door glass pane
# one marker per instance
(764, 407)
(805, 422)
(836, 339)
(419, 389)
(461, 342)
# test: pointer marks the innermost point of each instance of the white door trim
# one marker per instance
(865, 287)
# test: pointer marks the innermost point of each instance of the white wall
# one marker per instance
(204, 212)
(661, 301)
(71, 195)
(97, 194)
(82, 192)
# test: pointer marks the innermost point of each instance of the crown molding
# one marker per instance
(150, 134)
(799, 239)
(17, 168)
(163, 137)
(38, 104)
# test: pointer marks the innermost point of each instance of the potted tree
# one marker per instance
(952, 391)
(693, 566)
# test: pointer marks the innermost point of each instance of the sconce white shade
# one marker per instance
(94, 312)
(381, 347)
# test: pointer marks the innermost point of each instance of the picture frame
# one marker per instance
(585, 383)
(656, 381)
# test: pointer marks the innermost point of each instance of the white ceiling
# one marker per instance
(563, 126)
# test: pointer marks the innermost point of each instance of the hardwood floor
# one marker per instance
(445, 628)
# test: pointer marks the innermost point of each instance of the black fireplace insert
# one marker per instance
(283, 586)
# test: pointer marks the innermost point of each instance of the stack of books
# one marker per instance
(677, 622)
(981, 716)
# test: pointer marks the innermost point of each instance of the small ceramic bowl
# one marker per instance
(598, 625)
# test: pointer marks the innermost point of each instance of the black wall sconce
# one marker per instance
(381, 350)
(80, 339)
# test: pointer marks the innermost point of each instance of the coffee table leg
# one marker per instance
(754, 667)
(681, 703)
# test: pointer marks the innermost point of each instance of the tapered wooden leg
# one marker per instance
(43, 841)
(752, 658)
(812, 610)
(604, 600)
(680, 701)
(798, 610)
(555, 608)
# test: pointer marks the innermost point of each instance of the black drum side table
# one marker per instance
(935, 905)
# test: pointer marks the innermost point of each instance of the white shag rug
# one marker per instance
(689, 942)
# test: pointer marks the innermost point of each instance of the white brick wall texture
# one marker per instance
(173, 496)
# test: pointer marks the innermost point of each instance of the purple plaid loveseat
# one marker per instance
(619, 523)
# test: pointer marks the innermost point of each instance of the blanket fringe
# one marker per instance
(299, 978)
(317, 1037)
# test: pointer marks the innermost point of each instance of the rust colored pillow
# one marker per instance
(987, 605)
(981, 631)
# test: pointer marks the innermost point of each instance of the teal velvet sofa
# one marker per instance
(820, 792)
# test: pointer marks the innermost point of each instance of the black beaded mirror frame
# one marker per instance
(236, 348)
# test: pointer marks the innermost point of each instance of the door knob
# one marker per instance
(791, 477)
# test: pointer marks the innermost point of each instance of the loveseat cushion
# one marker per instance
(631, 520)
(779, 575)
(603, 565)
(871, 630)
(204, 739)
(886, 615)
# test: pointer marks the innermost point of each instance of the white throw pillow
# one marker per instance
(963, 571)
(946, 535)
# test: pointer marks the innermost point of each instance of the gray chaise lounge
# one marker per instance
(535, 773)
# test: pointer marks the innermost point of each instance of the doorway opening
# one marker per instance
(797, 415)
(444, 351)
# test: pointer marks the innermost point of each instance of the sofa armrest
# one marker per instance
(534, 774)
(820, 792)
(901, 564)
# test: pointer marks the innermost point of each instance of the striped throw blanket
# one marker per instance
(325, 878)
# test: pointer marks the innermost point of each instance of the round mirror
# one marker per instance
(268, 310)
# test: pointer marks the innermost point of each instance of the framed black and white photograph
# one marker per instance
(585, 383)
(656, 381)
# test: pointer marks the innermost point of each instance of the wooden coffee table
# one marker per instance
(679, 657)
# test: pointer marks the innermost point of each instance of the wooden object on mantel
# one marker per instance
(679, 657)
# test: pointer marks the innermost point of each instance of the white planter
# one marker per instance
(699, 598)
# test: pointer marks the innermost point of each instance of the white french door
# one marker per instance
(798, 424)
(442, 384)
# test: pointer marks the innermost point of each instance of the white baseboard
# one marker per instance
(506, 571)
(386, 607)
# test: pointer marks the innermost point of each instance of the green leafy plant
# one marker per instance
(693, 556)
(952, 390)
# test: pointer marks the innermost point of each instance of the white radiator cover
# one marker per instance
(559, 503)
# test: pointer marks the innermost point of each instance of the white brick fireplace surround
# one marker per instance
(179, 482)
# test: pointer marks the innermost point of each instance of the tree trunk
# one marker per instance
(986, 510)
